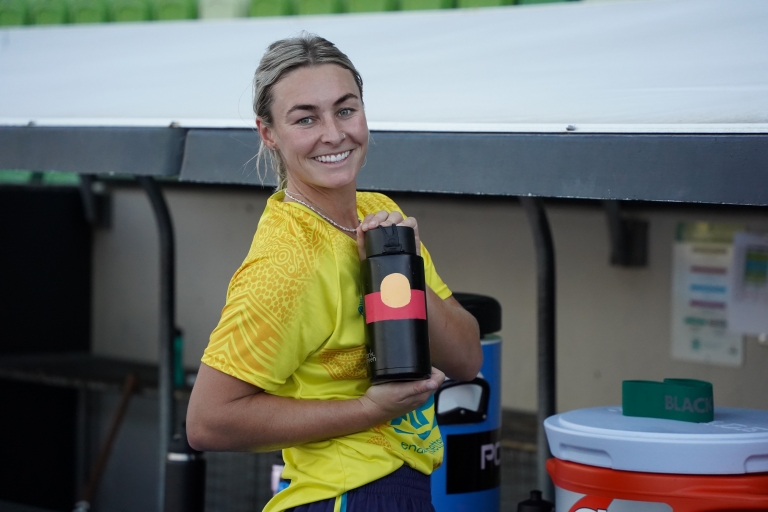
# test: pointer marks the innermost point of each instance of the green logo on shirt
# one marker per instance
(434, 447)
(416, 422)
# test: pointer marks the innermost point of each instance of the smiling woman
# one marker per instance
(286, 365)
(319, 132)
(301, 54)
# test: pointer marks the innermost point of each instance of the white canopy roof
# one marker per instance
(656, 66)
(662, 100)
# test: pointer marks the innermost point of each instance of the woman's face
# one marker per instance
(319, 126)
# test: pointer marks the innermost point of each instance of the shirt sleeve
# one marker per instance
(433, 279)
(280, 309)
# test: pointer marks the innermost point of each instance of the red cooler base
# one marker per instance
(582, 488)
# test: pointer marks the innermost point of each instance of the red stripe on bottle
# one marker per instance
(377, 311)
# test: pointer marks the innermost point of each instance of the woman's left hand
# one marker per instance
(384, 218)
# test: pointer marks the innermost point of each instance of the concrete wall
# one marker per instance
(613, 323)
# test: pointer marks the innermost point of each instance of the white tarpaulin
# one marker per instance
(633, 66)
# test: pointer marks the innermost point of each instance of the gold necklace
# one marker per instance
(348, 230)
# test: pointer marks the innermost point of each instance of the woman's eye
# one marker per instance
(305, 120)
(345, 112)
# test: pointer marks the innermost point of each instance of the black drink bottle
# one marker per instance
(394, 291)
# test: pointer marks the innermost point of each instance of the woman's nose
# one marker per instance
(332, 133)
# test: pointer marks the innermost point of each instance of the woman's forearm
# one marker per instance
(454, 338)
(227, 414)
(264, 422)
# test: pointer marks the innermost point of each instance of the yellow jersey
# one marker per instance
(293, 325)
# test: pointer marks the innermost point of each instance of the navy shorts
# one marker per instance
(405, 490)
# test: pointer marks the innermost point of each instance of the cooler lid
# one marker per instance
(736, 442)
(486, 310)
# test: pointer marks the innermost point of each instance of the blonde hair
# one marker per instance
(281, 58)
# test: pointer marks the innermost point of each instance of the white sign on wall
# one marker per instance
(702, 260)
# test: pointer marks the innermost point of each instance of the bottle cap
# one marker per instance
(535, 504)
(390, 240)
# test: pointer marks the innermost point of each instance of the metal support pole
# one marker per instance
(545, 277)
(167, 323)
(83, 438)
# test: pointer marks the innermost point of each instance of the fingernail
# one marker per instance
(431, 384)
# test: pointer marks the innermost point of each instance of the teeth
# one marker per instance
(329, 159)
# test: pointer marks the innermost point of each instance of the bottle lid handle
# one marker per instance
(392, 245)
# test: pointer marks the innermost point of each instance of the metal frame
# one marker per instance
(546, 333)
(696, 168)
(167, 322)
(93, 150)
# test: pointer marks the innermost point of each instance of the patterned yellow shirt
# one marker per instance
(293, 325)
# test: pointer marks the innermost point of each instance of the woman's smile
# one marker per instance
(334, 158)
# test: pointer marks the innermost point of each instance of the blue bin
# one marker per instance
(469, 416)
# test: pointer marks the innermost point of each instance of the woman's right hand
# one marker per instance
(385, 218)
(384, 402)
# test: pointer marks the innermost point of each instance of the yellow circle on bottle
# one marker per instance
(395, 290)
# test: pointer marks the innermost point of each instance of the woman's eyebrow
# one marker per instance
(301, 107)
(345, 98)
(313, 108)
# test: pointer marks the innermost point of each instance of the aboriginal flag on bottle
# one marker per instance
(395, 299)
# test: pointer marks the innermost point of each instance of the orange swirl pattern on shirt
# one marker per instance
(263, 299)
(344, 364)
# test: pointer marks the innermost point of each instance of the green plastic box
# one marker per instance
(15, 177)
(87, 11)
(174, 9)
(372, 5)
(129, 10)
(464, 4)
(523, 2)
(13, 12)
(61, 178)
(48, 12)
(320, 6)
(222, 9)
(423, 5)
(271, 8)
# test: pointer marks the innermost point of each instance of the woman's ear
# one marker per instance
(265, 132)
